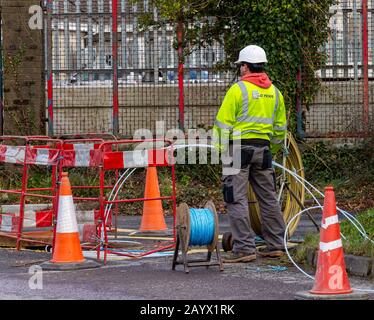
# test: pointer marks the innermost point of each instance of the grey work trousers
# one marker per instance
(255, 168)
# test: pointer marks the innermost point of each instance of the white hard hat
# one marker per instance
(252, 54)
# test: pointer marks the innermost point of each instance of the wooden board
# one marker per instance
(43, 236)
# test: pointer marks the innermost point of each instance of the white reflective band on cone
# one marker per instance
(66, 221)
(330, 221)
(328, 246)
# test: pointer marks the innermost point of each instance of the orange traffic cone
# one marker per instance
(67, 252)
(331, 276)
(153, 215)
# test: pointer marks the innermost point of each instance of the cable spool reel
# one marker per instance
(197, 228)
(290, 193)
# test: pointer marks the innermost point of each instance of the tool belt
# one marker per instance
(259, 143)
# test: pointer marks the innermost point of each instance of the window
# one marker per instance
(108, 60)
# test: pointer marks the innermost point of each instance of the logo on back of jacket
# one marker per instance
(258, 95)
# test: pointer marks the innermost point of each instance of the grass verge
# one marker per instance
(354, 243)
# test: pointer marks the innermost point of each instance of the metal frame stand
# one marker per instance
(194, 263)
(183, 241)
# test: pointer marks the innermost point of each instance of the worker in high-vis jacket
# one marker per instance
(251, 122)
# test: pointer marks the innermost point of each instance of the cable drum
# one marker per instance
(291, 194)
(198, 227)
(202, 227)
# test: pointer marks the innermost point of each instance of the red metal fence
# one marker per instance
(107, 74)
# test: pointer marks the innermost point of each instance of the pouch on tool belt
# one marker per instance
(267, 162)
(228, 190)
(246, 157)
(241, 158)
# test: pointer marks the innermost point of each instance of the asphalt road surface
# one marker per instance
(153, 279)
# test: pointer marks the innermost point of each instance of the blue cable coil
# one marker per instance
(202, 227)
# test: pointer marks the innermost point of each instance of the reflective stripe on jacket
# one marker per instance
(250, 112)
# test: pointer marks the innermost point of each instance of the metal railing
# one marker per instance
(107, 74)
(344, 106)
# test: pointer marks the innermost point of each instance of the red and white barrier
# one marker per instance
(87, 232)
(81, 155)
(8, 222)
(91, 216)
(32, 219)
(136, 159)
(84, 155)
(78, 155)
(38, 219)
(40, 216)
(32, 155)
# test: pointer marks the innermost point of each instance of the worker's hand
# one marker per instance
(285, 151)
(275, 148)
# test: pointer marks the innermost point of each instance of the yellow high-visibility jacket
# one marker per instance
(250, 112)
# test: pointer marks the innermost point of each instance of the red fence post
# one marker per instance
(115, 67)
(49, 67)
(365, 63)
(180, 74)
(1, 82)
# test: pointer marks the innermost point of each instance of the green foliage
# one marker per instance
(353, 244)
(24, 118)
(325, 164)
(311, 242)
(198, 183)
(11, 179)
(291, 32)
(350, 170)
(13, 61)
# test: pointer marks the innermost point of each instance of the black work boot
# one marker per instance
(275, 253)
(237, 257)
